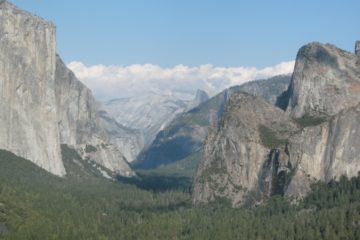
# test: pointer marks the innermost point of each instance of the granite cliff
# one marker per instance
(324, 91)
(238, 159)
(323, 75)
(28, 113)
(248, 157)
(80, 126)
(129, 141)
(42, 104)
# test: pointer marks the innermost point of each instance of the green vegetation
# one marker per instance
(308, 120)
(186, 167)
(90, 148)
(37, 205)
(269, 138)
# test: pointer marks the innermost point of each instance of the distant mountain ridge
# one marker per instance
(128, 141)
(186, 134)
(147, 114)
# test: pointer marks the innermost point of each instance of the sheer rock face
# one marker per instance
(325, 152)
(27, 88)
(128, 141)
(236, 164)
(324, 75)
(268, 89)
(240, 166)
(80, 125)
(42, 104)
(326, 82)
(76, 107)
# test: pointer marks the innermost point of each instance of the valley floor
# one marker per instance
(37, 205)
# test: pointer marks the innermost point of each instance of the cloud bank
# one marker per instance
(108, 82)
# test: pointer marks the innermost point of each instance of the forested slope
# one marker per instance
(37, 205)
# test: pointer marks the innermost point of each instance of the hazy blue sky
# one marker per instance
(194, 32)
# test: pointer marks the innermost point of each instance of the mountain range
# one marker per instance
(146, 115)
(269, 137)
(184, 137)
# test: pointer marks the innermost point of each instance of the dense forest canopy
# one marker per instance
(37, 205)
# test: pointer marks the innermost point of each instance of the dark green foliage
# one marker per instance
(166, 153)
(186, 167)
(308, 120)
(90, 149)
(334, 193)
(158, 183)
(37, 205)
(269, 138)
(77, 168)
(41, 206)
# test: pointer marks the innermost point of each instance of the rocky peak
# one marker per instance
(245, 152)
(267, 89)
(323, 75)
(11, 8)
(256, 151)
(357, 48)
(201, 96)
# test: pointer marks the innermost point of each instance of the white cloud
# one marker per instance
(109, 82)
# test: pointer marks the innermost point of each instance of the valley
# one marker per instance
(262, 154)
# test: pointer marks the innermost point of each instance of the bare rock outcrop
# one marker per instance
(28, 116)
(257, 151)
(325, 152)
(325, 85)
(79, 123)
(325, 81)
(42, 104)
(128, 141)
(244, 152)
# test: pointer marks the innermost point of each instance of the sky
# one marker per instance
(190, 36)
